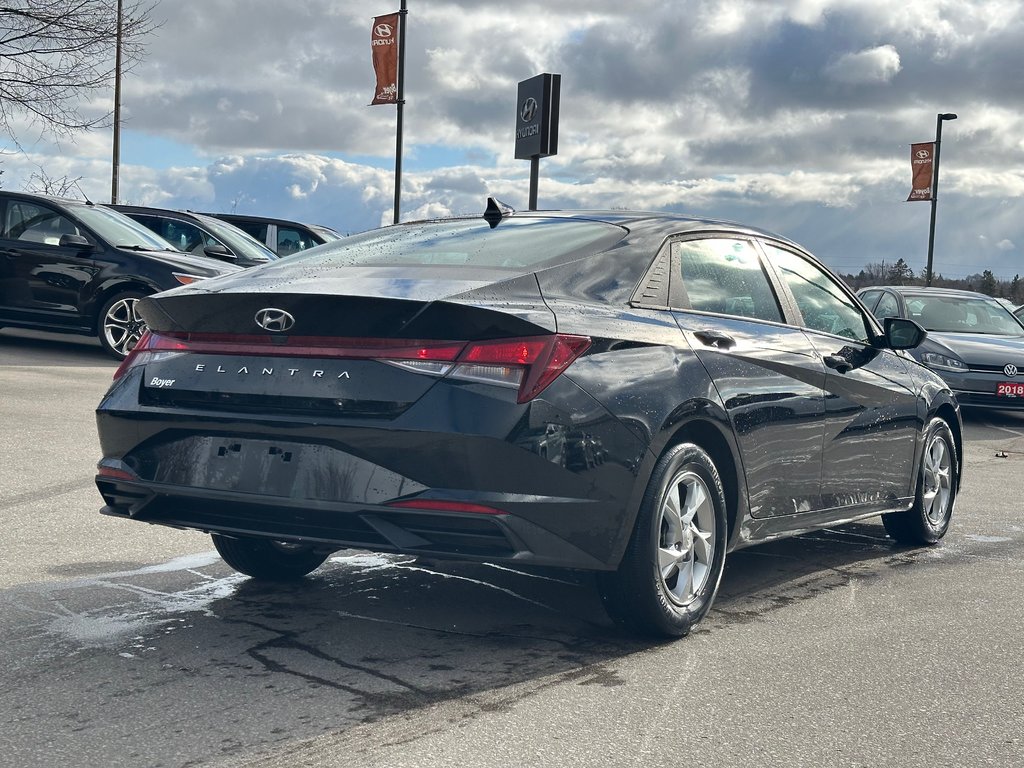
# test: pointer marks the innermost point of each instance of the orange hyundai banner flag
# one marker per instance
(921, 158)
(384, 43)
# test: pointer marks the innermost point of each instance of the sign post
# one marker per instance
(537, 124)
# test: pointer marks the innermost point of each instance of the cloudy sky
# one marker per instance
(793, 115)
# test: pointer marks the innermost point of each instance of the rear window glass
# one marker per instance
(513, 244)
(725, 276)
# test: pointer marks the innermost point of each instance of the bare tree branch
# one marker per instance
(56, 54)
(42, 183)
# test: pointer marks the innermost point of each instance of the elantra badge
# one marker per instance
(1010, 370)
(273, 319)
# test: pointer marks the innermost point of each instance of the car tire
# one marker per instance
(266, 559)
(937, 482)
(669, 575)
(118, 325)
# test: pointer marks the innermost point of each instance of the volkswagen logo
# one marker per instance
(1010, 370)
(923, 154)
(273, 319)
(382, 30)
(529, 110)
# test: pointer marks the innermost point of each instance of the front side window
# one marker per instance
(34, 223)
(291, 240)
(888, 306)
(825, 306)
(184, 236)
(725, 276)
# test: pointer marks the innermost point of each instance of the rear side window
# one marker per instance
(824, 305)
(725, 276)
(254, 229)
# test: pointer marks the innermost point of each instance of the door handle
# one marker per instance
(838, 363)
(716, 339)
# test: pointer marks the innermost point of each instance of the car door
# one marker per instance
(767, 374)
(872, 416)
(42, 281)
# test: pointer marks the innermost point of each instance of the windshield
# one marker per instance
(241, 242)
(513, 244)
(962, 314)
(120, 231)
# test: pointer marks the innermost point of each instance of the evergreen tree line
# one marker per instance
(900, 273)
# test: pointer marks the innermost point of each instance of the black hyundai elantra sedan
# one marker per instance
(636, 394)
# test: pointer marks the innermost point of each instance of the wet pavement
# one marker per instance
(129, 645)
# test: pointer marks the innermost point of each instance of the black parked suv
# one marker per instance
(75, 267)
(281, 236)
(201, 234)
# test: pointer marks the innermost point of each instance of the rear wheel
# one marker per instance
(937, 481)
(120, 327)
(670, 573)
(267, 559)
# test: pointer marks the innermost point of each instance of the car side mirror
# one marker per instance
(901, 333)
(219, 251)
(74, 241)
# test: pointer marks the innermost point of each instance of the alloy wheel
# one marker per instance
(937, 491)
(686, 546)
(122, 327)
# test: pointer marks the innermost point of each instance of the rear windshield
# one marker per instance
(513, 244)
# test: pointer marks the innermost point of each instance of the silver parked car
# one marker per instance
(974, 342)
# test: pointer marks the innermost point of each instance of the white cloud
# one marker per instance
(871, 65)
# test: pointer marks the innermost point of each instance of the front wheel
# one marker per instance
(937, 482)
(120, 327)
(670, 572)
(266, 559)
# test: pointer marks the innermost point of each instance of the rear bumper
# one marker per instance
(338, 525)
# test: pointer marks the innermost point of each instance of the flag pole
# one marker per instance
(401, 107)
(935, 192)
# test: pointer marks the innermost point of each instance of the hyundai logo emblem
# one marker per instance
(382, 30)
(1010, 370)
(923, 154)
(529, 109)
(273, 319)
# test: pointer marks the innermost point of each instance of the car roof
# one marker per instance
(929, 290)
(261, 219)
(152, 209)
(48, 198)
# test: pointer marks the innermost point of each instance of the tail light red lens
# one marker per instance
(529, 364)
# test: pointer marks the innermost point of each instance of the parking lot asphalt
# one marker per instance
(129, 645)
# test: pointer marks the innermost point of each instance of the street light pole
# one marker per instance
(116, 163)
(935, 191)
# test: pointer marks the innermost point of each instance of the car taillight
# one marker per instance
(529, 363)
(150, 347)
